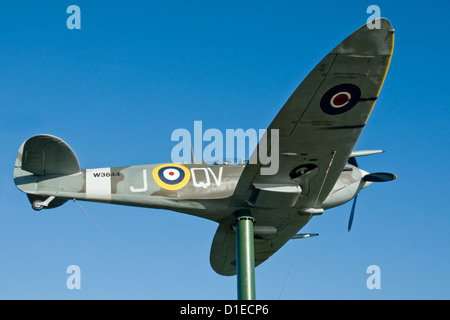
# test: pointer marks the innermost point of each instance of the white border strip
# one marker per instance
(98, 184)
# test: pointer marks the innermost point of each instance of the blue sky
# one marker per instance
(136, 71)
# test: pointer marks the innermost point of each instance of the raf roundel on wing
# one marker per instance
(340, 99)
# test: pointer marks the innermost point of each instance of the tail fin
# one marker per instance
(47, 155)
(39, 158)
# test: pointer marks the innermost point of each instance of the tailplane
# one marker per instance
(40, 161)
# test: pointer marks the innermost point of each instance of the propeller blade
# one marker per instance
(371, 177)
(352, 213)
(353, 162)
(379, 177)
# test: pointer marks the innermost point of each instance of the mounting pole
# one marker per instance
(245, 257)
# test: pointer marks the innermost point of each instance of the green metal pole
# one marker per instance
(245, 258)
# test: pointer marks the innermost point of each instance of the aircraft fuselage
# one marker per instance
(198, 189)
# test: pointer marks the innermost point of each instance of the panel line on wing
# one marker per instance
(325, 178)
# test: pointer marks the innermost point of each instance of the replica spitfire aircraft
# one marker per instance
(257, 214)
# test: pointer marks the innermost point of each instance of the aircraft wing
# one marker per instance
(318, 128)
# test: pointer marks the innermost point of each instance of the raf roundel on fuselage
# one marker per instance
(171, 176)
